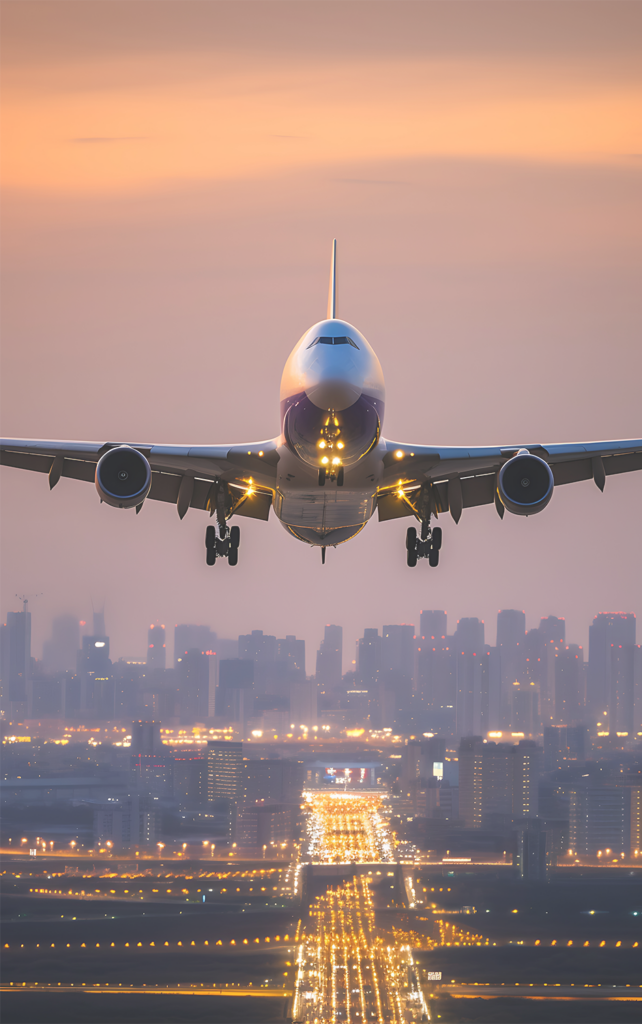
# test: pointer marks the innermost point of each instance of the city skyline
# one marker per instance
(41, 635)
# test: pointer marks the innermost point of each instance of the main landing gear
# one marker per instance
(225, 546)
(427, 546)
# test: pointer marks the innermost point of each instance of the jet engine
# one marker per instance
(525, 484)
(123, 477)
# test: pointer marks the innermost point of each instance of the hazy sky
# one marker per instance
(173, 176)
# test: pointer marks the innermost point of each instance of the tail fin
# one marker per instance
(332, 293)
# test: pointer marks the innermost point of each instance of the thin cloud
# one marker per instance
(110, 138)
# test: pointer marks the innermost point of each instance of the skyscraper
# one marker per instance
(224, 770)
(16, 661)
(368, 658)
(330, 658)
(156, 651)
(95, 676)
(610, 669)
(192, 638)
(511, 633)
(569, 685)
(60, 653)
(471, 657)
(194, 686)
(498, 780)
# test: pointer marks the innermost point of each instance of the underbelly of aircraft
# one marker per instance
(324, 516)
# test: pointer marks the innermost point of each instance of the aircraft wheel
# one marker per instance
(233, 556)
(210, 557)
(235, 537)
(322, 476)
(411, 546)
(210, 537)
(340, 478)
(433, 558)
(436, 538)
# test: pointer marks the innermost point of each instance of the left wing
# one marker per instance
(182, 474)
(451, 479)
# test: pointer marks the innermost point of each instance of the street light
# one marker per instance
(161, 847)
(212, 848)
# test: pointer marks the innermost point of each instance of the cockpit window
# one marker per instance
(333, 341)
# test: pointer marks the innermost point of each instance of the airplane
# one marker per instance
(331, 466)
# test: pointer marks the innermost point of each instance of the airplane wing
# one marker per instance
(182, 474)
(452, 479)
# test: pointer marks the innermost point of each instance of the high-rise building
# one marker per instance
(127, 824)
(433, 625)
(96, 677)
(225, 770)
(291, 653)
(472, 667)
(437, 678)
(16, 661)
(330, 658)
(194, 686)
(511, 635)
(146, 738)
(156, 650)
(368, 658)
(192, 638)
(398, 649)
(600, 819)
(188, 778)
(555, 747)
(497, 780)
(569, 684)
(610, 670)
(235, 690)
(60, 653)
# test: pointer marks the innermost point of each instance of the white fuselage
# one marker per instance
(332, 407)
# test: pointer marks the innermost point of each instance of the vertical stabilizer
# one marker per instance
(332, 293)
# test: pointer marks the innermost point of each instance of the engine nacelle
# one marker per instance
(525, 484)
(123, 477)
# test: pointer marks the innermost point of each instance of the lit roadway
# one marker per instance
(345, 970)
(347, 828)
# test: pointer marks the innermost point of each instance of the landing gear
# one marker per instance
(225, 546)
(427, 546)
(331, 473)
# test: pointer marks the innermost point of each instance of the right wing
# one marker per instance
(182, 474)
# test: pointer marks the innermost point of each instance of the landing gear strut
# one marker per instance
(226, 545)
(428, 545)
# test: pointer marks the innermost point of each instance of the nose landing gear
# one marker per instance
(427, 546)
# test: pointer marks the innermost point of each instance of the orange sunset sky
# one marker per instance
(173, 174)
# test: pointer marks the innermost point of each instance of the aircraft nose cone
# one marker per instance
(334, 394)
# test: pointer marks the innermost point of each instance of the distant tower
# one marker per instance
(156, 652)
(330, 657)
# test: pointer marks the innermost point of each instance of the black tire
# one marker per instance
(322, 476)
(433, 558)
(411, 539)
(210, 537)
(233, 556)
(340, 478)
(411, 557)
(235, 537)
(210, 557)
(436, 538)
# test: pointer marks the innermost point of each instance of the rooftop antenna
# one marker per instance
(25, 600)
(332, 292)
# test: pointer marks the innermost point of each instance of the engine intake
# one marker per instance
(123, 477)
(525, 484)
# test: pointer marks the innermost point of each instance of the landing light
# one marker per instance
(399, 454)
(325, 460)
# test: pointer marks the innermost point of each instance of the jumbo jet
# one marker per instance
(331, 466)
